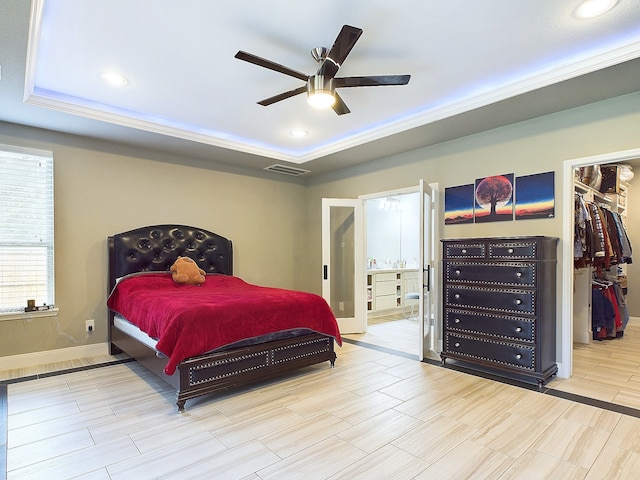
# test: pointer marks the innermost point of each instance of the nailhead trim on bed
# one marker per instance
(268, 360)
(288, 347)
(227, 361)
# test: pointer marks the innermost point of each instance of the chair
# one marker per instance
(410, 311)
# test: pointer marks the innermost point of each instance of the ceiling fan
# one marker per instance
(321, 87)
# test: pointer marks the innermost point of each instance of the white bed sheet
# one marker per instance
(130, 329)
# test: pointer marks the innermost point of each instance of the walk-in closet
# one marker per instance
(602, 252)
(606, 300)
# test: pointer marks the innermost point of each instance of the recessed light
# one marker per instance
(594, 8)
(298, 132)
(114, 78)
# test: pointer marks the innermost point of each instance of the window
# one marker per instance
(26, 228)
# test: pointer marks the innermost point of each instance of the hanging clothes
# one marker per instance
(600, 238)
(625, 244)
(603, 315)
(601, 242)
(615, 254)
(609, 314)
(583, 232)
(622, 304)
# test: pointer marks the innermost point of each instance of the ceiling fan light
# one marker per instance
(320, 92)
(321, 99)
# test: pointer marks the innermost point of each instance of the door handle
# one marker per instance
(428, 284)
(326, 272)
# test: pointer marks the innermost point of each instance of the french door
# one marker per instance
(344, 273)
(343, 262)
(430, 332)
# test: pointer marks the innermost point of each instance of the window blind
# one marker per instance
(26, 228)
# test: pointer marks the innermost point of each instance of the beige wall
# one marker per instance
(275, 225)
(101, 189)
(534, 146)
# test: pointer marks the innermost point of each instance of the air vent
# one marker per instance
(287, 170)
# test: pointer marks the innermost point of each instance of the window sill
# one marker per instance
(52, 312)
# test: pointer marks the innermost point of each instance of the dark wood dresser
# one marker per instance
(499, 305)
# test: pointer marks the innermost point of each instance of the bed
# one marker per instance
(146, 254)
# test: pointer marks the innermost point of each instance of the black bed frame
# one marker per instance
(155, 248)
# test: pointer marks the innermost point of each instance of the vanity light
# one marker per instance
(113, 78)
(594, 8)
(390, 203)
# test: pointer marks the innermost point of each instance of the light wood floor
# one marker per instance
(607, 370)
(392, 331)
(373, 416)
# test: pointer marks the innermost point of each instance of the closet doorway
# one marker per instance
(603, 368)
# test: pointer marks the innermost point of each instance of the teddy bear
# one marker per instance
(185, 271)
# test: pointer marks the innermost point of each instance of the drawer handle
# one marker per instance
(518, 356)
(518, 301)
(464, 250)
(510, 250)
(518, 329)
(457, 272)
(456, 344)
(457, 320)
(457, 295)
(519, 274)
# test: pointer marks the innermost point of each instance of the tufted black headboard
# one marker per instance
(156, 247)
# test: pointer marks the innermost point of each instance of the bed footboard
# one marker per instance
(219, 371)
(239, 367)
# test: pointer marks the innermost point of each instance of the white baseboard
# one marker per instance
(562, 371)
(26, 360)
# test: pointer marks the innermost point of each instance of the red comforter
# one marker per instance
(190, 320)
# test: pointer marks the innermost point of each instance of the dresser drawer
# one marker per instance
(520, 250)
(506, 300)
(503, 353)
(465, 250)
(510, 274)
(506, 327)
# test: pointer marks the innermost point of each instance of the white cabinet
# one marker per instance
(386, 288)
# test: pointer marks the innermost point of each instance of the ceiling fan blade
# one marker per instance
(371, 81)
(339, 106)
(345, 41)
(282, 96)
(262, 62)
